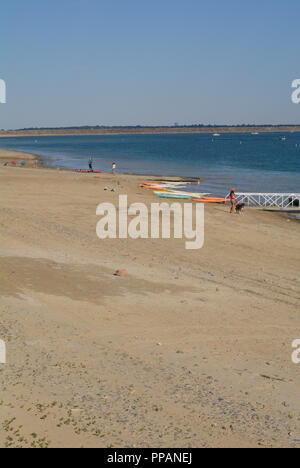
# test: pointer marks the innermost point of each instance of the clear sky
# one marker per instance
(129, 62)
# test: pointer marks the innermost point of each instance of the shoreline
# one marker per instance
(148, 131)
(243, 161)
(8, 155)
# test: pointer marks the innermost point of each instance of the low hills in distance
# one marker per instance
(139, 129)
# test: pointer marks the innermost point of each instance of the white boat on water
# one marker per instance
(216, 134)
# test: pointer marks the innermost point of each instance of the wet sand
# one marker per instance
(190, 349)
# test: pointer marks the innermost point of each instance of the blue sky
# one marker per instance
(128, 62)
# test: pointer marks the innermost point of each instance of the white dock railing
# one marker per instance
(280, 200)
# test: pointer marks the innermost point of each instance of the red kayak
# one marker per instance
(86, 171)
(210, 200)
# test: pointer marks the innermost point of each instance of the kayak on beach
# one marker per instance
(172, 195)
(160, 186)
(180, 192)
(211, 200)
(85, 171)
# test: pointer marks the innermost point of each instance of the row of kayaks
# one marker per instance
(169, 190)
(163, 185)
(165, 193)
(201, 198)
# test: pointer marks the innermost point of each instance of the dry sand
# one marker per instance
(191, 349)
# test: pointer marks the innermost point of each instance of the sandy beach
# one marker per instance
(190, 349)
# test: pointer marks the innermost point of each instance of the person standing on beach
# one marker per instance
(91, 164)
(114, 168)
(36, 163)
(232, 201)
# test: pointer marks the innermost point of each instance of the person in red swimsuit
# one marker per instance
(233, 201)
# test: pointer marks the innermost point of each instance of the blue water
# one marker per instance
(247, 162)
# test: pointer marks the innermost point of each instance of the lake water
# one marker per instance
(263, 162)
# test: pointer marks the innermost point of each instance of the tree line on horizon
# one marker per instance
(100, 127)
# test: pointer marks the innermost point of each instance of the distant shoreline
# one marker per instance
(146, 131)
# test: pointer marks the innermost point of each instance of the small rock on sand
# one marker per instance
(121, 273)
